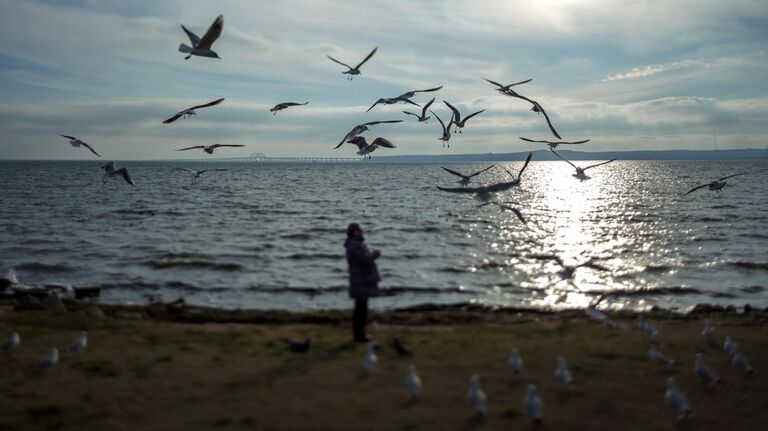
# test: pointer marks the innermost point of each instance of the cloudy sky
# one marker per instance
(628, 75)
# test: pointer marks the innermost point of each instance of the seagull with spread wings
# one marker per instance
(209, 149)
(485, 193)
(580, 171)
(537, 108)
(110, 170)
(552, 144)
(360, 128)
(202, 47)
(716, 185)
(457, 120)
(364, 148)
(353, 70)
(281, 106)
(464, 181)
(423, 117)
(568, 270)
(191, 111)
(410, 94)
(504, 207)
(446, 130)
(392, 101)
(196, 175)
(78, 143)
(505, 88)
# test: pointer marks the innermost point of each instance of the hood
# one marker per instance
(353, 239)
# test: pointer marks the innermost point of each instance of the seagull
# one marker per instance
(79, 344)
(360, 128)
(353, 70)
(197, 174)
(111, 171)
(600, 317)
(504, 88)
(703, 371)
(423, 117)
(484, 193)
(562, 374)
(191, 111)
(537, 108)
(392, 101)
(412, 382)
(11, 342)
(646, 326)
(296, 346)
(411, 94)
(202, 47)
(465, 178)
(446, 130)
(729, 346)
(532, 404)
(708, 330)
(741, 361)
(400, 348)
(475, 396)
(47, 361)
(568, 270)
(675, 399)
(281, 106)
(656, 356)
(78, 143)
(366, 149)
(580, 171)
(716, 185)
(370, 359)
(209, 149)
(503, 207)
(553, 144)
(457, 121)
(515, 362)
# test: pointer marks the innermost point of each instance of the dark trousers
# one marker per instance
(359, 317)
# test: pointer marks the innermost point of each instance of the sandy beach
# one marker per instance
(176, 367)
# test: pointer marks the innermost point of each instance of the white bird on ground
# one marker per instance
(703, 371)
(485, 193)
(202, 46)
(110, 170)
(281, 106)
(423, 117)
(553, 144)
(580, 175)
(741, 361)
(475, 396)
(78, 143)
(675, 399)
(646, 326)
(210, 148)
(353, 70)
(364, 148)
(412, 382)
(446, 130)
(370, 359)
(79, 344)
(47, 361)
(515, 361)
(464, 181)
(716, 185)
(457, 120)
(656, 356)
(191, 111)
(197, 174)
(562, 374)
(532, 404)
(708, 330)
(11, 342)
(729, 345)
(504, 88)
(360, 128)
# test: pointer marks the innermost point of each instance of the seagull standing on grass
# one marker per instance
(704, 372)
(281, 106)
(457, 120)
(353, 70)
(11, 342)
(646, 326)
(515, 362)
(79, 344)
(708, 330)
(47, 361)
(191, 111)
(675, 399)
(729, 345)
(202, 47)
(370, 359)
(412, 383)
(111, 171)
(600, 317)
(562, 374)
(656, 356)
(78, 143)
(716, 185)
(741, 361)
(532, 404)
(580, 175)
(475, 396)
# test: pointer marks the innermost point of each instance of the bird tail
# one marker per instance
(185, 48)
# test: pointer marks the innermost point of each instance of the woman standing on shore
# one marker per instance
(363, 278)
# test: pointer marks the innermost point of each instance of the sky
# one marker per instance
(629, 75)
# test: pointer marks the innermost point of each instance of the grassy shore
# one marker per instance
(145, 371)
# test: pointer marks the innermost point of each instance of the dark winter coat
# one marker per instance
(363, 274)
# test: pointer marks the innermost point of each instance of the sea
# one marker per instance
(270, 235)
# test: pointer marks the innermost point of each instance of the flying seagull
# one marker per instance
(78, 143)
(366, 149)
(202, 47)
(197, 174)
(552, 144)
(465, 178)
(537, 108)
(360, 128)
(505, 88)
(568, 270)
(423, 117)
(281, 106)
(353, 70)
(392, 101)
(410, 94)
(503, 207)
(191, 111)
(716, 185)
(484, 193)
(111, 171)
(580, 171)
(446, 130)
(209, 149)
(457, 121)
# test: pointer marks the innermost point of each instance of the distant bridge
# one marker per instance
(262, 158)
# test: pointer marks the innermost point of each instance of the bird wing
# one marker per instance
(337, 61)
(411, 102)
(521, 82)
(696, 188)
(480, 172)
(227, 145)
(438, 119)
(210, 170)
(547, 257)
(500, 187)
(598, 164)
(109, 167)
(562, 158)
(428, 90)
(514, 210)
(473, 114)
(174, 118)
(424, 110)
(593, 265)
(360, 142)
(731, 176)
(192, 171)
(72, 138)
(191, 148)
(555, 143)
(462, 189)
(213, 33)
(411, 113)
(533, 140)
(457, 173)
(346, 137)
(377, 102)
(456, 116)
(367, 58)
(124, 173)
(494, 83)
(381, 142)
(551, 127)
(90, 148)
(192, 37)
(205, 105)
(527, 160)
(371, 123)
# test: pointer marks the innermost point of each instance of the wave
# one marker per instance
(657, 268)
(309, 256)
(45, 267)
(191, 263)
(745, 264)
